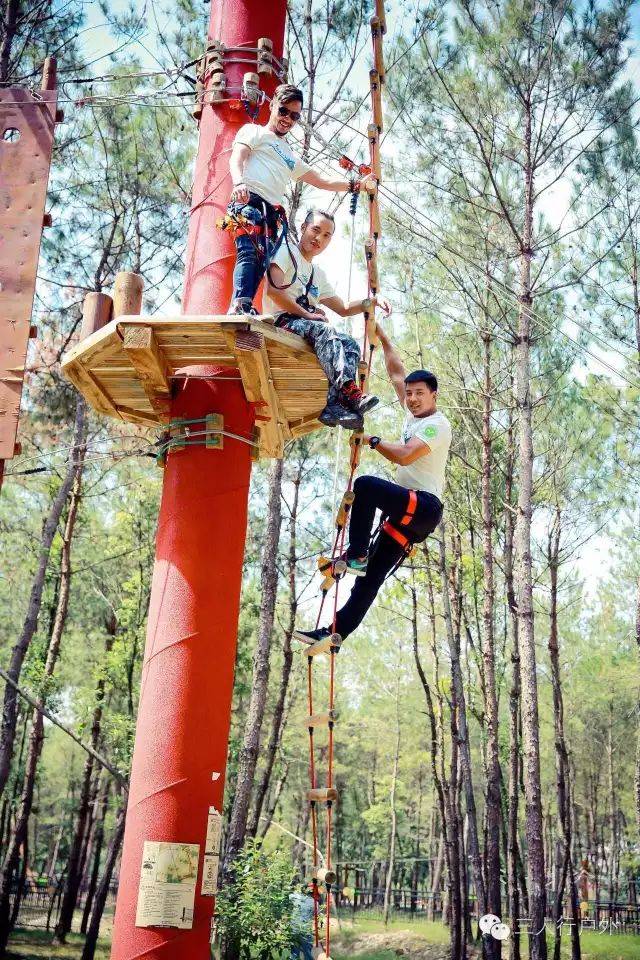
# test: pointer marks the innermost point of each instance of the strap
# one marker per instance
(400, 538)
(411, 509)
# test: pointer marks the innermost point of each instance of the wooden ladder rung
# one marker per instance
(324, 875)
(320, 719)
(324, 646)
(318, 954)
(376, 37)
(376, 99)
(374, 215)
(372, 264)
(374, 151)
(322, 795)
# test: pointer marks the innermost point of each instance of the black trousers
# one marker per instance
(392, 500)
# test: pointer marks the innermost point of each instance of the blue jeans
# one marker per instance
(391, 499)
(251, 255)
(303, 948)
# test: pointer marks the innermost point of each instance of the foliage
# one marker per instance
(254, 909)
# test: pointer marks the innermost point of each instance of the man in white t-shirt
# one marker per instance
(295, 288)
(411, 508)
(261, 166)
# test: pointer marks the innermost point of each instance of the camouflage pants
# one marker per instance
(338, 353)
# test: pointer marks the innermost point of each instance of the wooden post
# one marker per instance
(127, 294)
(97, 310)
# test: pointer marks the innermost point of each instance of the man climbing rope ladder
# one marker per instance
(411, 508)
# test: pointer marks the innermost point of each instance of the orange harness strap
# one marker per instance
(393, 532)
(411, 508)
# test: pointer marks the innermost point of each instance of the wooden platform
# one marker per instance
(125, 370)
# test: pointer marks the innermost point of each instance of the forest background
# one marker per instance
(488, 737)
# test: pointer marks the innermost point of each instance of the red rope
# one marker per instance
(336, 552)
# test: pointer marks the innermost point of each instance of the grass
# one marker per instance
(595, 946)
(36, 944)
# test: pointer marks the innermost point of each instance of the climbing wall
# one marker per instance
(323, 798)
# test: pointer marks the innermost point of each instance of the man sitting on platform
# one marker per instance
(295, 287)
(411, 508)
(261, 166)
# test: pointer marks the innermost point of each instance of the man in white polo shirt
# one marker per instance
(296, 286)
(411, 508)
(261, 166)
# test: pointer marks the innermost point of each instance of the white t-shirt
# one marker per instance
(317, 289)
(271, 163)
(428, 472)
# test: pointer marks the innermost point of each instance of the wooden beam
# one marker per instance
(84, 381)
(141, 347)
(253, 364)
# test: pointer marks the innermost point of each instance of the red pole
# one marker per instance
(182, 733)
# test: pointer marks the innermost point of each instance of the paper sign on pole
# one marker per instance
(167, 884)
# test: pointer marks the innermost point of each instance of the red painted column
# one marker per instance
(182, 733)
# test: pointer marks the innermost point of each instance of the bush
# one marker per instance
(253, 911)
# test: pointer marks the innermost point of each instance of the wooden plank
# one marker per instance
(253, 363)
(87, 348)
(141, 346)
(137, 416)
(90, 389)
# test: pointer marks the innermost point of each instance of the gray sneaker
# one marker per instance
(335, 415)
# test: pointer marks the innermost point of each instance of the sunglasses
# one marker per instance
(285, 112)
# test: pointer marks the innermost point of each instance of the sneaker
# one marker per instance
(242, 306)
(312, 636)
(334, 415)
(355, 566)
(356, 400)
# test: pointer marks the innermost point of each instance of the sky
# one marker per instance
(97, 42)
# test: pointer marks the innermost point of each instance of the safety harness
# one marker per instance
(274, 224)
(397, 535)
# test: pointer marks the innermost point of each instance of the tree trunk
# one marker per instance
(251, 742)
(436, 750)
(637, 771)
(19, 652)
(102, 892)
(8, 35)
(287, 662)
(393, 812)
(96, 854)
(460, 732)
(36, 737)
(524, 580)
(74, 871)
(564, 866)
(493, 800)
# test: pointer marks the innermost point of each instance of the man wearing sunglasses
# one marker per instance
(261, 166)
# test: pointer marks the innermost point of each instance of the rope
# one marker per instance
(323, 943)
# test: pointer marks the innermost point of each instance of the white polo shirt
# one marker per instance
(270, 165)
(428, 472)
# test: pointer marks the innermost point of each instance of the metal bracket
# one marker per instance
(211, 79)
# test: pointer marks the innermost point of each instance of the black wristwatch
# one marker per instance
(374, 441)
